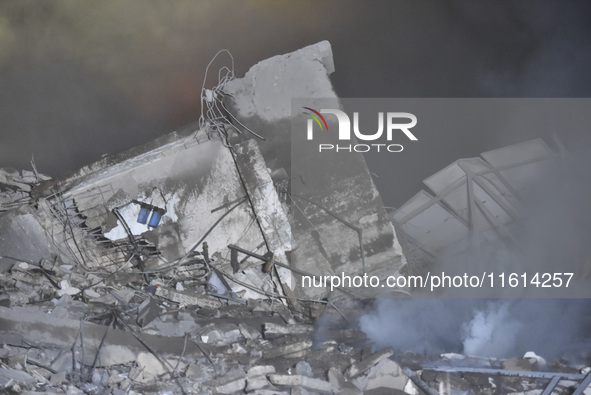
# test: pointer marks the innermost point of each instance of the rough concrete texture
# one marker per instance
(369, 362)
(385, 374)
(23, 326)
(267, 88)
(22, 237)
(186, 178)
(273, 331)
(320, 386)
(342, 384)
(256, 383)
(321, 244)
(270, 212)
(82, 315)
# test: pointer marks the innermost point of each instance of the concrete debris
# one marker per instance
(221, 334)
(228, 385)
(519, 364)
(385, 374)
(261, 370)
(189, 299)
(256, 383)
(58, 378)
(342, 384)
(303, 368)
(148, 311)
(292, 350)
(149, 364)
(312, 384)
(262, 100)
(539, 362)
(174, 267)
(9, 378)
(249, 332)
(369, 362)
(67, 289)
(446, 380)
(273, 331)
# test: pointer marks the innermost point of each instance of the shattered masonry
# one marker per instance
(173, 267)
(119, 276)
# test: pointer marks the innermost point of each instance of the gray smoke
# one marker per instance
(553, 236)
(80, 80)
(553, 328)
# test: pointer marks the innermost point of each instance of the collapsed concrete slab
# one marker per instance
(273, 331)
(312, 384)
(28, 326)
(183, 177)
(369, 362)
(186, 196)
(22, 237)
(133, 241)
(338, 222)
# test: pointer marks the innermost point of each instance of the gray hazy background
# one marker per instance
(82, 79)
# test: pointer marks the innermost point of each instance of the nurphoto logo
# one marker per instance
(396, 122)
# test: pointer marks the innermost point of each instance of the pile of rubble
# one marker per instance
(15, 187)
(68, 332)
(65, 331)
(124, 277)
(118, 329)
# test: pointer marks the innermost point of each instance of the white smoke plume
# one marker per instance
(553, 328)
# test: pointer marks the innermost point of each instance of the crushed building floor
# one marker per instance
(174, 267)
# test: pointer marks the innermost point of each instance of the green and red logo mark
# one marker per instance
(316, 117)
(388, 124)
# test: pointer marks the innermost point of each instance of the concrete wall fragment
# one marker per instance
(22, 237)
(322, 244)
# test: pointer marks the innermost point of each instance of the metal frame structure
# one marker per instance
(475, 197)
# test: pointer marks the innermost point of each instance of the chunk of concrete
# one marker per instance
(302, 381)
(228, 385)
(58, 378)
(91, 293)
(22, 237)
(385, 374)
(29, 326)
(341, 384)
(267, 88)
(303, 368)
(189, 299)
(147, 312)
(260, 370)
(256, 383)
(369, 362)
(273, 331)
(262, 101)
(249, 332)
(292, 350)
(8, 376)
(63, 362)
(221, 334)
(148, 363)
(199, 371)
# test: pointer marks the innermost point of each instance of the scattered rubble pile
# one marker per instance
(174, 267)
(15, 187)
(67, 332)
(73, 333)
